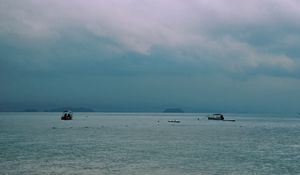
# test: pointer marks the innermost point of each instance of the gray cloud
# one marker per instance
(129, 39)
(238, 35)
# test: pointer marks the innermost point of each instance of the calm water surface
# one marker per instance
(145, 143)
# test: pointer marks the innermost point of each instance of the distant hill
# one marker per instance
(80, 109)
(173, 110)
(30, 110)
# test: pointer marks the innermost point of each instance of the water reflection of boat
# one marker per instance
(67, 115)
(174, 121)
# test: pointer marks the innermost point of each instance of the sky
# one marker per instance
(148, 55)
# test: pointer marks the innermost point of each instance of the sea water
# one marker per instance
(146, 143)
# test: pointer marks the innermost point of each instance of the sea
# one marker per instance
(147, 144)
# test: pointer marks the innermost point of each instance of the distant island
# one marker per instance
(173, 110)
(30, 110)
(80, 109)
(61, 109)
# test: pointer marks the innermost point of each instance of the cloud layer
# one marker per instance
(234, 39)
(233, 35)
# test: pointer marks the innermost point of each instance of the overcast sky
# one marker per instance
(147, 55)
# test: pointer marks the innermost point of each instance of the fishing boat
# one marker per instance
(216, 117)
(174, 121)
(67, 115)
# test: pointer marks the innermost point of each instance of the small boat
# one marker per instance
(216, 117)
(174, 121)
(67, 115)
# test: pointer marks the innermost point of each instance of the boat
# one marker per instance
(67, 115)
(174, 121)
(216, 117)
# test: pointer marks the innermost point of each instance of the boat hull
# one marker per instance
(214, 118)
(66, 118)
